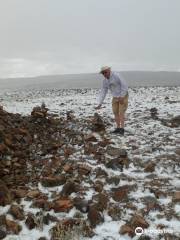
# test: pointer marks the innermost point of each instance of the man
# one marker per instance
(119, 90)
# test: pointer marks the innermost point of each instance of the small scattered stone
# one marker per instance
(150, 167)
(176, 197)
(62, 205)
(95, 217)
(127, 229)
(53, 181)
(2, 234)
(31, 222)
(17, 212)
(13, 227)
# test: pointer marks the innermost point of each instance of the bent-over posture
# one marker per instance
(119, 90)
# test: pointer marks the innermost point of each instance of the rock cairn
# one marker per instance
(42, 153)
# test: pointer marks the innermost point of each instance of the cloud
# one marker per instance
(19, 67)
(45, 64)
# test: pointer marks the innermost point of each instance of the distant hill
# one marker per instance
(91, 80)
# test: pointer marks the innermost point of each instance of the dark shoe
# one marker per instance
(117, 130)
(121, 131)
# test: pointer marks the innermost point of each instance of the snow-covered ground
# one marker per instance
(145, 140)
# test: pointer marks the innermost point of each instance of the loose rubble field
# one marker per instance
(64, 175)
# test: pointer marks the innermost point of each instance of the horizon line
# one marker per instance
(65, 74)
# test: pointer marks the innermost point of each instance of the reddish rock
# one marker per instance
(153, 206)
(90, 148)
(3, 148)
(5, 195)
(68, 151)
(39, 112)
(120, 194)
(176, 197)
(31, 221)
(23, 131)
(69, 188)
(13, 227)
(95, 217)
(33, 194)
(19, 193)
(41, 203)
(53, 181)
(138, 221)
(150, 167)
(98, 186)
(17, 212)
(68, 168)
(62, 205)
(131, 206)
(8, 142)
(102, 201)
(127, 229)
(175, 121)
(84, 169)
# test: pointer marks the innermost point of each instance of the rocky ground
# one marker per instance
(65, 176)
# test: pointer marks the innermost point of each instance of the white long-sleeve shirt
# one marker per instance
(115, 84)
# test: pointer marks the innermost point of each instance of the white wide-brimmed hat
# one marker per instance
(104, 69)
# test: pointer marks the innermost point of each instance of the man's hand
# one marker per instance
(98, 107)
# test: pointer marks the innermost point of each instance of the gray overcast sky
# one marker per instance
(40, 37)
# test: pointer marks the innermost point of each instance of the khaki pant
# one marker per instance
(118, 107)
